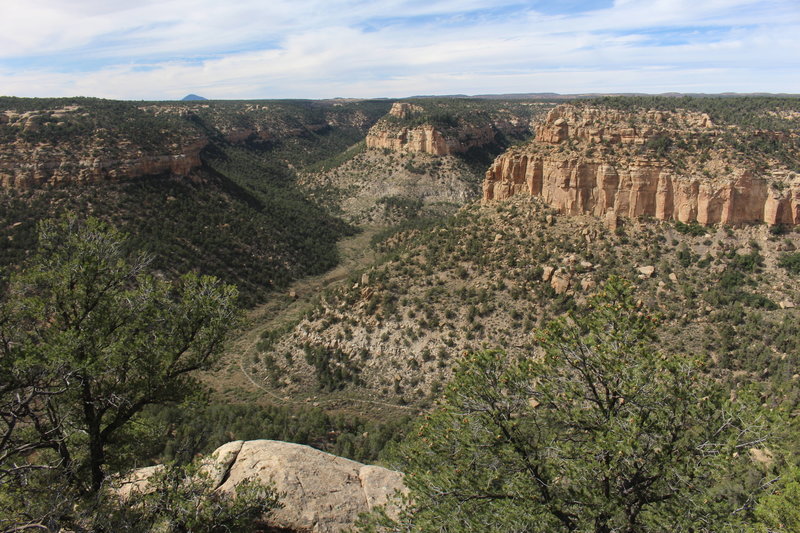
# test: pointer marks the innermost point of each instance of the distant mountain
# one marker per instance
(192, 97)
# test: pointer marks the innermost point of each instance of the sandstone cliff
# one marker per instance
(50, 141)
(91, 143)
(425, 138)
(23, 166)
(439, 130)
(665, 165)
(320, 492)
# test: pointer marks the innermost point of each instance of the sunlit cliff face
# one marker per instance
(596, 161)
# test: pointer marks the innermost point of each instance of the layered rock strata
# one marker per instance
(90, 143)
(394, 134)
(427, 139)
(595, 161)
(23, 167)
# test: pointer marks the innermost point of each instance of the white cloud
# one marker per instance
(315, 48)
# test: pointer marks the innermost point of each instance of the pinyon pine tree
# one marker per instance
(597, 431)
(88, 339)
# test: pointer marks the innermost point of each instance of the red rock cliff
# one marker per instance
(596, 161)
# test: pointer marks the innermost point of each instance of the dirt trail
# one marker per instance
(286, 306)
(235, 382)
(232, 379)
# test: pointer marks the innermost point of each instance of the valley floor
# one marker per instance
(238, 379)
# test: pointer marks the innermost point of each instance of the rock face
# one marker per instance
(598, 161)
(72, 144)
(24, 167)
(440, 130)
(404, 110)
(320, 492)
(427, 139)
(93, 140)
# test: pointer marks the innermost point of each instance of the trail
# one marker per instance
(234, 380)
(355, 253)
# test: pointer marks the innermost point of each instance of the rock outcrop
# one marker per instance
(23, 166)
(404, 110)
(320, 492)
(449, 129)
(88, 140)
(429, 140)
(598, 161)
(89, 143)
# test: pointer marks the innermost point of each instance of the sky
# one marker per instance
(251, 49)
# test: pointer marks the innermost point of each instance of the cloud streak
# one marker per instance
(318, 49)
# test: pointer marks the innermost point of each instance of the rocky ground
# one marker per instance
(490, 276)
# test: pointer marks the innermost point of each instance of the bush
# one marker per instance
(791, 262)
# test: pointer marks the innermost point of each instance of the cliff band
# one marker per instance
(400, 133)
(661, 164)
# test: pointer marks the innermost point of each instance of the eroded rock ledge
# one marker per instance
(23, 167)
(91, 142)
(599, 161)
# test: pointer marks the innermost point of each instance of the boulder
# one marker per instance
(560, 282)
(647, 271)
(320, 492)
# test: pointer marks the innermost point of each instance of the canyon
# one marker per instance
(52, 142)
(261, 193)
(597, 161)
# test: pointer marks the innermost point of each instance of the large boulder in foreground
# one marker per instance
(320, 492)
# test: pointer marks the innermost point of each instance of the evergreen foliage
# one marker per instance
(182, 432)
(765, 127)
(599, 433)
(88, 340)
(751, 112)
(791, 262)
(182, 498)
(780, 510)
(77, 120)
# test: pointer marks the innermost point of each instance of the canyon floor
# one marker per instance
(238, 379)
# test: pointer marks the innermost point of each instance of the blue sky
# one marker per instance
(165, 49)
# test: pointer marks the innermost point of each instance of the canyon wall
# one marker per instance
(89, 143)
(24, 166)
(51, 141)
(427, 139)
(395, 134)
(582, 161)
